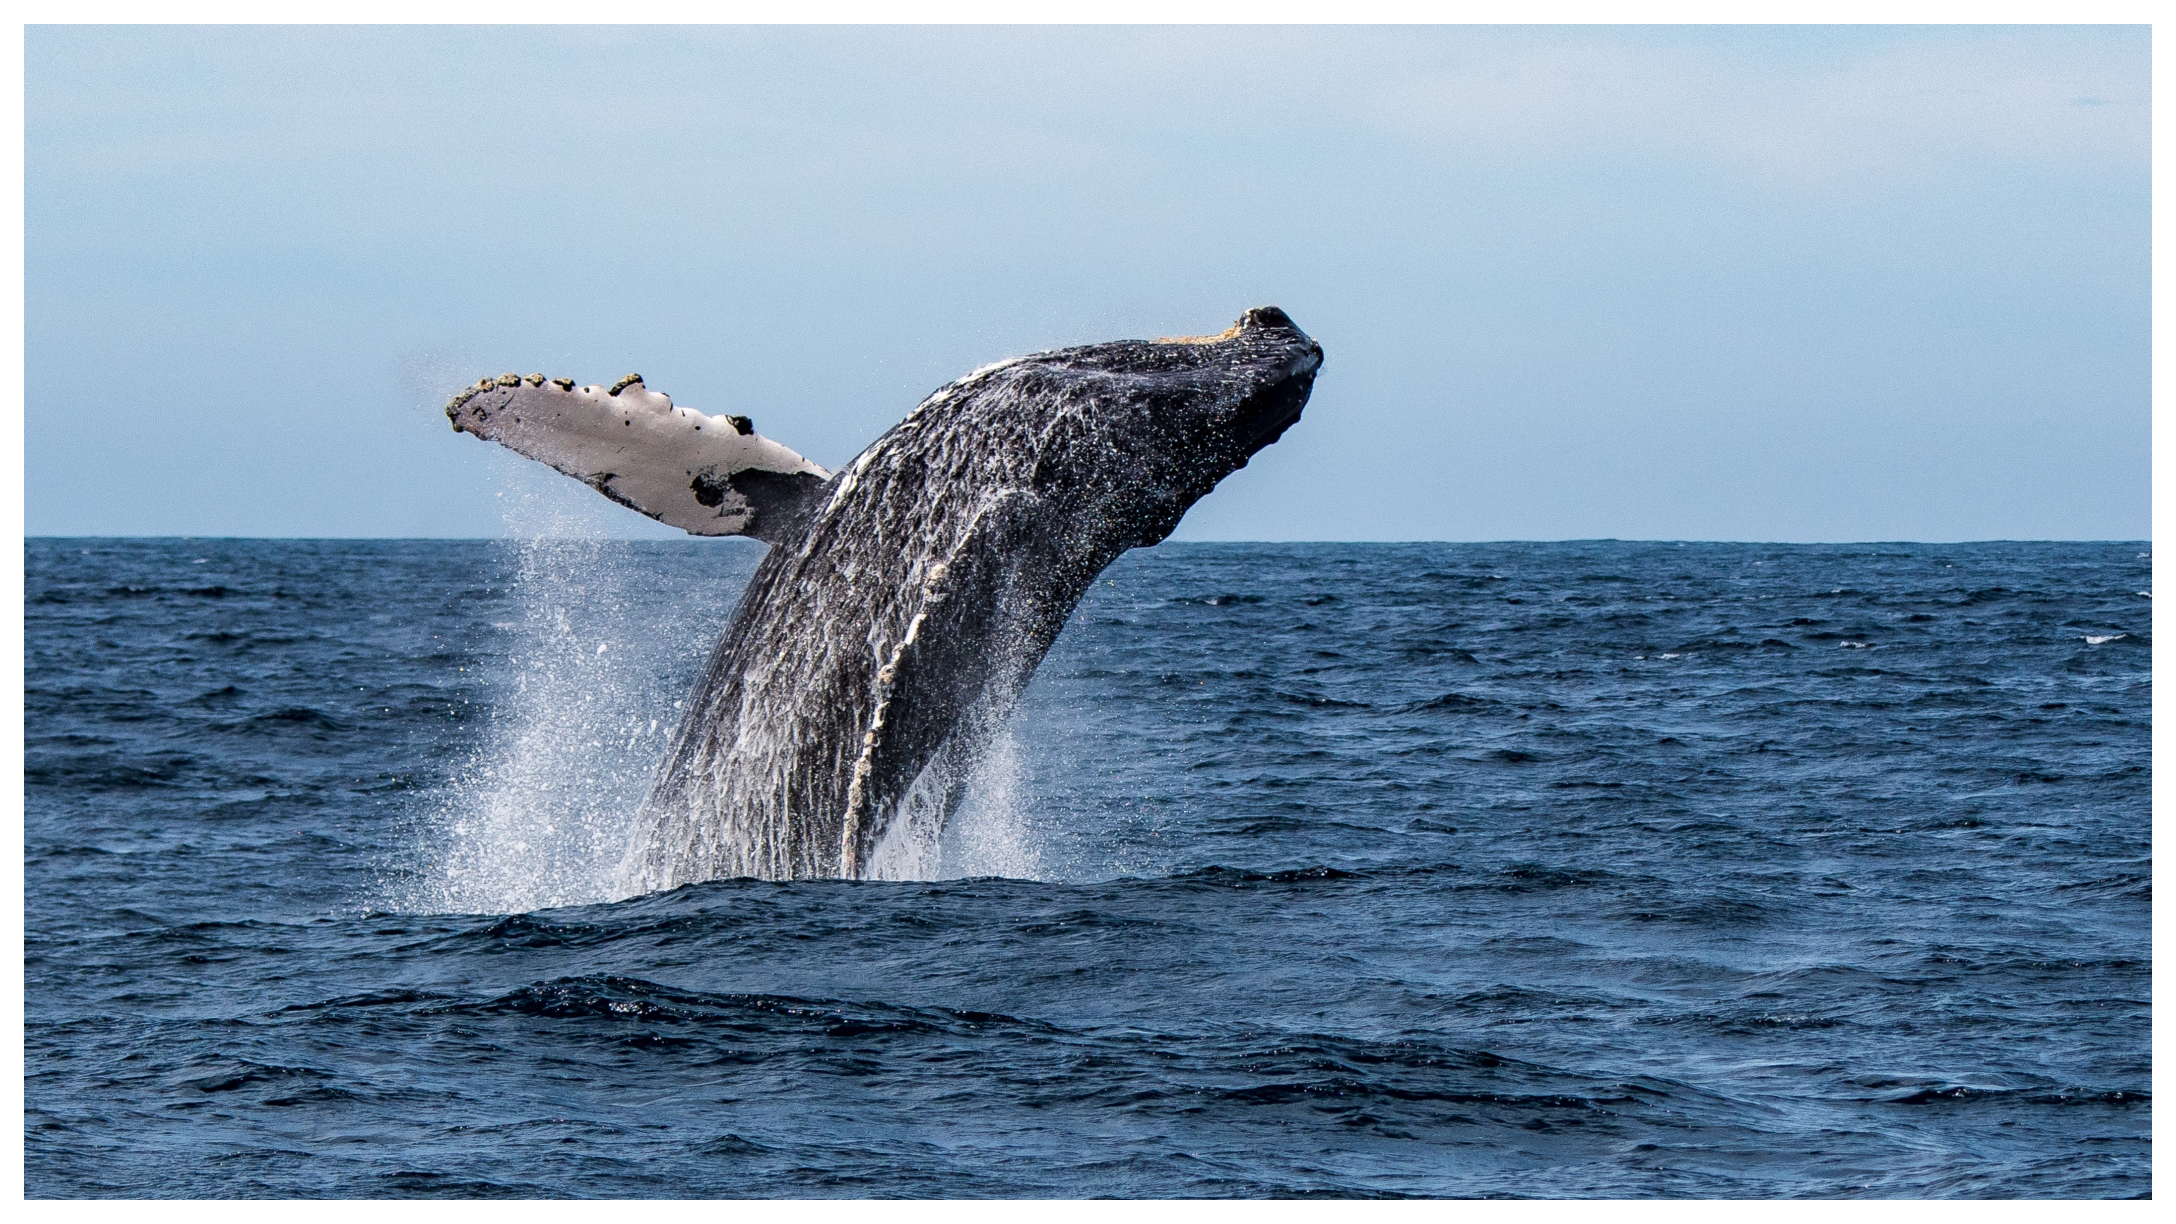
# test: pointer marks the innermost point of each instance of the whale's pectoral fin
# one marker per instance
(707, 475)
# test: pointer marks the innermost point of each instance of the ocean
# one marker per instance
(1564, 870)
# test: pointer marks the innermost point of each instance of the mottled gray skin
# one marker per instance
(872, 658)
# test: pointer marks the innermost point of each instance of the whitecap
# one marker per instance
(2098, 639)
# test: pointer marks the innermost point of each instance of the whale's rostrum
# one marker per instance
(906, 599)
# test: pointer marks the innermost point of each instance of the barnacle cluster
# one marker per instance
(488, 383)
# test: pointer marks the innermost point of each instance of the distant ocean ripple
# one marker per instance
(1593, 869)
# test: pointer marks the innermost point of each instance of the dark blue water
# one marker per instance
(1582, 869)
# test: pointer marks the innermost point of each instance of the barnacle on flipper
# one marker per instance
(489, 382)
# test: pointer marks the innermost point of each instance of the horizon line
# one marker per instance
(27, 537)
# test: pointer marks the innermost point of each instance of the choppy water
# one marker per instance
(1581, 869)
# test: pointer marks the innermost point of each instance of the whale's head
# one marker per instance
(1140, 430)
(1257, 376)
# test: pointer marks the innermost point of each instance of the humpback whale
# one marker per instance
(907, 598)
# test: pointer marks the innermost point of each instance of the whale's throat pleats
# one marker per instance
(906, 601)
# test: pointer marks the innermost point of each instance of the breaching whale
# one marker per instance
(907, 598)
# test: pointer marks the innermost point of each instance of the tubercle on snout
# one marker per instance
(1259, 318)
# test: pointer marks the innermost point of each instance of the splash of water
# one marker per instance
(543, 810)
(992, 832)
(595, 671)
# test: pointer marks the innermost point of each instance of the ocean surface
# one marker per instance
(1589, 869)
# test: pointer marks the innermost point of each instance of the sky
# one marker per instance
(1735, 283)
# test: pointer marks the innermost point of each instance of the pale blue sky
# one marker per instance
(1743, 283)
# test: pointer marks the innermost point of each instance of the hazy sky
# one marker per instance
(1743, 283)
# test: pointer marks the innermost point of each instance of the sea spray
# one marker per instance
(991, 833)
(595, 661)
(994, 833)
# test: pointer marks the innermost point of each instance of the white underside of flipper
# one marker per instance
(636, 447)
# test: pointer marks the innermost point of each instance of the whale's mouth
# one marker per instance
(1279, 406)
(1270, 426)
